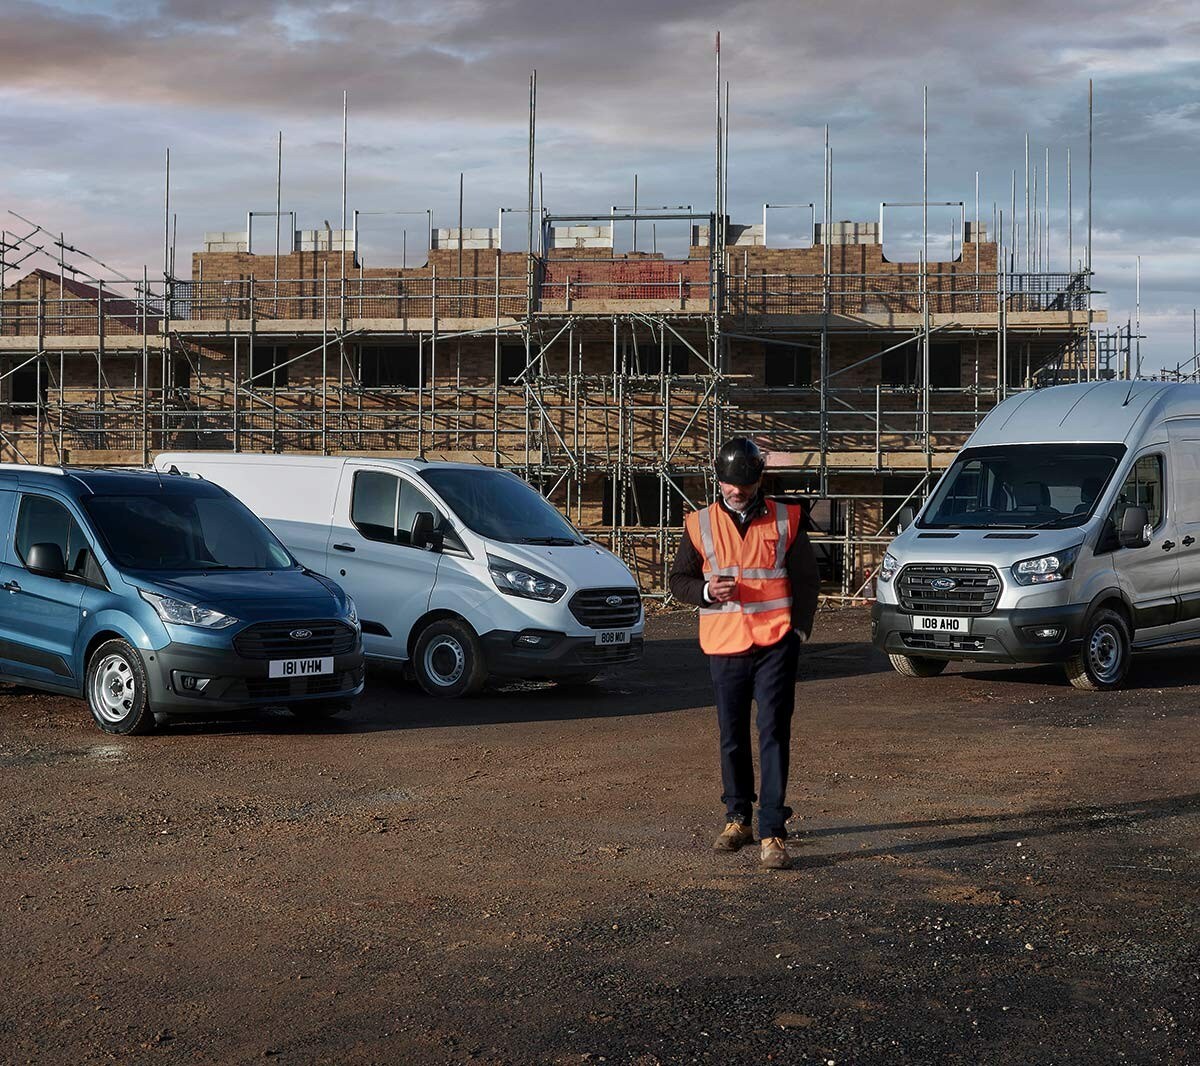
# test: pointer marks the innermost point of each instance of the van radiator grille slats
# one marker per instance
(976, 589)
(274, 640)
(592, 609)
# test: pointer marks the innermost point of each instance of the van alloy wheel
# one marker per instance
(114, 688)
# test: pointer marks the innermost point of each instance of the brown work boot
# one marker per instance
(733, 836)
(774, 854)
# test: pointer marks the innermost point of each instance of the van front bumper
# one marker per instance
(555, 655)
(237, 683)
(1004, 636)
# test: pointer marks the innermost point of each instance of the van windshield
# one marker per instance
(501, 507)
(181, 533)
(1022, 486)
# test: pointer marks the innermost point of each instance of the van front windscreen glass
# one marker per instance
(500, 506)
(180, 533)
(1023, 486)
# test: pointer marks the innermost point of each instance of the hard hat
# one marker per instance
(739, 462)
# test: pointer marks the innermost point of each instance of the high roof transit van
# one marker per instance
(151, 595)
(460, 571)
(1067, 530)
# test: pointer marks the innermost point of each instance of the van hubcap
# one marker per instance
(1106, 653)
(114, 688)
(444, 660)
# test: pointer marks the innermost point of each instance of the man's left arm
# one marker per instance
(805, 579)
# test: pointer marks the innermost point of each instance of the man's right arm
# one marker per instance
(687, 575)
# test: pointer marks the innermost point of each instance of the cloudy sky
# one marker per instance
(92, 94)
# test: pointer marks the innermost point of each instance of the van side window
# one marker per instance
(1143, 488)
(375, 505)
(45, 521)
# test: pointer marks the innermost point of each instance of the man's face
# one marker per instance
(738, 497)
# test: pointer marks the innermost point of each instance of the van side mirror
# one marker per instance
(1135, 528)
(906, 516)
(423, 535)
(46, 560)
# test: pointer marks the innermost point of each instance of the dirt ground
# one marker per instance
(993, 868)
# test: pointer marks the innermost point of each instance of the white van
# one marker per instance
(1067, 530)
(461, 571)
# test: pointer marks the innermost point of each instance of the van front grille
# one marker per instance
(281, 640)
(974, 591)
(607, 608)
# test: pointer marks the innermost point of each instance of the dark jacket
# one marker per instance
(687, 575)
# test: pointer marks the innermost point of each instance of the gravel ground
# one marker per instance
(993, 868)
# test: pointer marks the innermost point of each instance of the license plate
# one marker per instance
(612, 637)
(932, 623)
(300, 667)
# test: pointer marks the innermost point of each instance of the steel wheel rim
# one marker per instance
(445, 661)
(114, 688)
(1105, 653)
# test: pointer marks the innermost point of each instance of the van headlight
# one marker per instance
(1046, 568)
(889, 566)
(518, 580)
(351, 611)
(182, 613)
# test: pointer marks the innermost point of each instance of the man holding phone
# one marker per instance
(747, 563)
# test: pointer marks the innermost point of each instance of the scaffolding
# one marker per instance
(607, 380)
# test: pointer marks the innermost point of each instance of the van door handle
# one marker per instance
(1168, 545)
(1188, 541)
(11, 586)
(344, 547)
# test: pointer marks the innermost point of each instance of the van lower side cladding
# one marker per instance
(606, 379)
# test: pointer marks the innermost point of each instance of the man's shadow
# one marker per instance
(1034, 824)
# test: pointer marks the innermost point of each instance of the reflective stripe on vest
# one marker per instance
(761, 614)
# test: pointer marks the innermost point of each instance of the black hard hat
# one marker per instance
(739, 462)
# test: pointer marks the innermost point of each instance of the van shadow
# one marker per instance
(1031, 825)
(673, 675)
(1173, 667)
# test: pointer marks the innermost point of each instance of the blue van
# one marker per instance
(151, 594)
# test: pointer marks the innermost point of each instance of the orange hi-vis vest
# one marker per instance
(761, 614)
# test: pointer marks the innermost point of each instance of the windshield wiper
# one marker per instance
(563, 542)
(1052, 522)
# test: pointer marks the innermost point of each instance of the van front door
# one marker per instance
(371, 557)
(1184, 434)
(40, 615)
(1148, 575)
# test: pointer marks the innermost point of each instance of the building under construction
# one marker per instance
(605, 378)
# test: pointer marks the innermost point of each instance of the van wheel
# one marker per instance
(1103, 660)
(917, 665)
(117, 690)
(448, 660)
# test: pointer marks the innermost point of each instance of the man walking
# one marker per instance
(748, 565)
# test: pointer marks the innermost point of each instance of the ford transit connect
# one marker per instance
(462, 571)
(151, 595)
(1067, 530)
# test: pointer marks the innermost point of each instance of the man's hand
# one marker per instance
(722, 589)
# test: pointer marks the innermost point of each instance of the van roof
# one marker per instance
(1096, 412)
(166, 460)
(104, 481)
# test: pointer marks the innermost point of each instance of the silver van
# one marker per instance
(1067, 530)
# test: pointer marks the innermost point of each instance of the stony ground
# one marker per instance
(994, 868)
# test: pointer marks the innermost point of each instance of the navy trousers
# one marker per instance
(766, 676)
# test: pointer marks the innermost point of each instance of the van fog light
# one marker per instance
(192, 683)
(1044, 632)
(535, 640)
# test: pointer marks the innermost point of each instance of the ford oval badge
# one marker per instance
(944, 584)
(300, 634)
(614, 601)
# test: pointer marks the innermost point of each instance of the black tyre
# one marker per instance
(117, 689)
(917, 665)
(1103, 660)
(578, 680)
(448, 660)
(318, 710)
